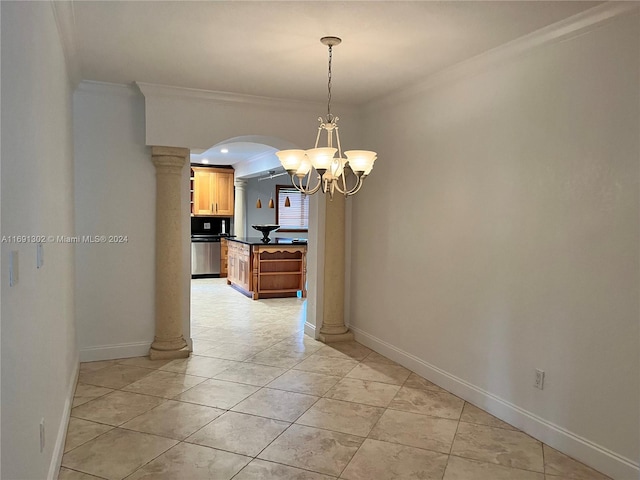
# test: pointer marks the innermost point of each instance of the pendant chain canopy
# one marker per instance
(319, 165)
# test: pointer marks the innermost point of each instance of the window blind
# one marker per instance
(296, 216)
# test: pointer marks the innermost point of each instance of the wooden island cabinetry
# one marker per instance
(239, 265)
(212, 191)
(224, 255)
(267, 270)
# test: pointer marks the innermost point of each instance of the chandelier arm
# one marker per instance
(318, 185)
(301, 188)
(319, 132)
(343, 164)
(344, 190)
(338, 142)
(314, 189)
(293, 182)
(357, 188)
(353, 190)
(318, 178)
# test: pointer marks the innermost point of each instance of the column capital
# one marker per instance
(169, 160)
(162, 151)
(240, 183)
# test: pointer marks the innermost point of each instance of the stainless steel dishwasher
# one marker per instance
(205, 256)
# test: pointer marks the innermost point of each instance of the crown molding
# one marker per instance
(155, 90)
(151, 90)
(95, 87)
(572, 26)
(65, 21)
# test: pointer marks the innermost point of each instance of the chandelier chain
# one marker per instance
(329, 117)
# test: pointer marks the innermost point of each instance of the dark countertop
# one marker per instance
(274, 241)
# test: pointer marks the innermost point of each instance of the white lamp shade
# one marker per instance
(304, 168)
(321, 158)
(290, 159)
(369, 168)
(361, 160)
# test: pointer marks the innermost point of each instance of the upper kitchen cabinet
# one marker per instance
(212, 191)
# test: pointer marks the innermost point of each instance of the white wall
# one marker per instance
(39, 355)
(115, 185)
(498, 233)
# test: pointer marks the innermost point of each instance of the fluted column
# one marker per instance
(333, 327)
(240, 208)
(169, 341)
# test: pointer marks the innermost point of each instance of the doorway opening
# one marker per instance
(224, 323)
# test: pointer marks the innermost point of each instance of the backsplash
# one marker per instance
(213, 225)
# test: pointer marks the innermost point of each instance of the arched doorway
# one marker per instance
(253, 160)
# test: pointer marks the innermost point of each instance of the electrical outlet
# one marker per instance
(539, 379)
(42, 435)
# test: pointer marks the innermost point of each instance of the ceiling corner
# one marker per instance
(65, 21)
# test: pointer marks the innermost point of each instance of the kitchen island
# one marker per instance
(267, 270)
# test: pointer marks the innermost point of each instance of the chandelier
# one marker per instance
(319, 167)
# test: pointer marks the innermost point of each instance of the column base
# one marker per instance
(168, 354)
(336, 337)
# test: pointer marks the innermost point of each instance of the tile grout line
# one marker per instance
(281, 326)
(84, 473)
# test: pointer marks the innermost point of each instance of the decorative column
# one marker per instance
(240, 208)
(168, 342)
(333, 327)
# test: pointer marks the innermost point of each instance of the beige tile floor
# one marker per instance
(259, 400)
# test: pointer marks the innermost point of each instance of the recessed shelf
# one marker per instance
(280, 273)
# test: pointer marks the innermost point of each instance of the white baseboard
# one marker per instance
(111, 352)
(58, 449)
(602, 459)
(310, 329)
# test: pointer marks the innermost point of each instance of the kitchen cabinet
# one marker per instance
(270, 270)
(212, 191)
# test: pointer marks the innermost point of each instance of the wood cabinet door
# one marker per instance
(232, 263)
(212, 191)
(203, 186)
(243, 272)
(224, 202)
